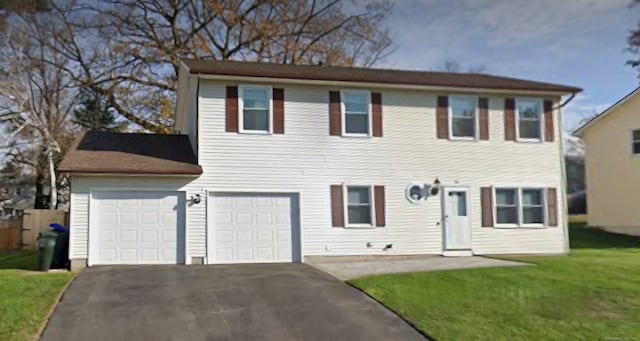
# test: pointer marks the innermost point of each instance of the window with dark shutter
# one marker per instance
(337, 206)
(278, 111)
(376, 112)
(231, 117)
(486, 203)
(552, 206)
(335, 116)
(379, 199)
(509, 119)
(483, 108)
(548, 121)
(442, 117)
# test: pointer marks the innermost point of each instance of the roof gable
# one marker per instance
(580, 131)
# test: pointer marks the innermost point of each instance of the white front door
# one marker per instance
(456, 222)
(129, 227)
(253, 228)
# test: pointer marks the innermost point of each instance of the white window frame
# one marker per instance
(541, 125)
(520, 209)
(241, 90)
(634, 141)
(476, 125)
(345, 195)
(343, 112)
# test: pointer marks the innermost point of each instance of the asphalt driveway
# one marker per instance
(227, 302)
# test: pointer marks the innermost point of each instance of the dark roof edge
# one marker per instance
(115, 171)
(559, 87)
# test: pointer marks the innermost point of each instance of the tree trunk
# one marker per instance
(40, 199)
(53, 192)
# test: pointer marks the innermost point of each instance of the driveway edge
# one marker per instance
(406, 320)
(55, 305)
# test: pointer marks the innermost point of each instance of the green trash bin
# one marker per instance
(46, 246)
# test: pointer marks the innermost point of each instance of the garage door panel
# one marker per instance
(253, 228)
(137, 228)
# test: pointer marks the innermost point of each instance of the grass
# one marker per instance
(591, 294)
(26, 297)
(578, 218)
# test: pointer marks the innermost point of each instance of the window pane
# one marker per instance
(255, 120)
(529, 129)
(356, 123)
(531, 197)
(532, 215)
(461, 204)
(463, 107)
(359, 214)
(636, 135)
(529, 109)
(463, 127)
(507, 215)
(358, 195)
(636, 148)
(356, 103)
(255, 98)
(505, 197)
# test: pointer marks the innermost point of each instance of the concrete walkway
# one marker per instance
(346, 268)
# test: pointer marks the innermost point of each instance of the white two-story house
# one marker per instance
(278, 163)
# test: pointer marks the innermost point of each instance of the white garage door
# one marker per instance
(254, 228)
(137, 228)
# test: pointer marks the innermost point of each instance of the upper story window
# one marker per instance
(529, 118)
(635, 141)
(463, 117)
(356, 113)
(255, 102)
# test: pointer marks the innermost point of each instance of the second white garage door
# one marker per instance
(253, 228)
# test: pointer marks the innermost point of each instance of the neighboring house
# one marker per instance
(612, 163)
(574, 168)
(15, 196)
(282, 162)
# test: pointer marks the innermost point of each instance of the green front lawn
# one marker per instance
(26, 297)
(592, 294)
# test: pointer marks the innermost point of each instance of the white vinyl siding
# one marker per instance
(307, 160)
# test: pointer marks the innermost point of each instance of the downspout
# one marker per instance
(563, 190)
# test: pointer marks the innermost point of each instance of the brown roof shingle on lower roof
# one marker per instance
(368, 75)
(131, 153)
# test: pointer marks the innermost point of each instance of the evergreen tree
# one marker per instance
(96, 113)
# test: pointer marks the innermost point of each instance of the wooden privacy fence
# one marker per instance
(35, 221)
(10, 234)
(22, 233)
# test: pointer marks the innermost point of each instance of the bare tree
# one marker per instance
(128, 51)
(37, 96)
